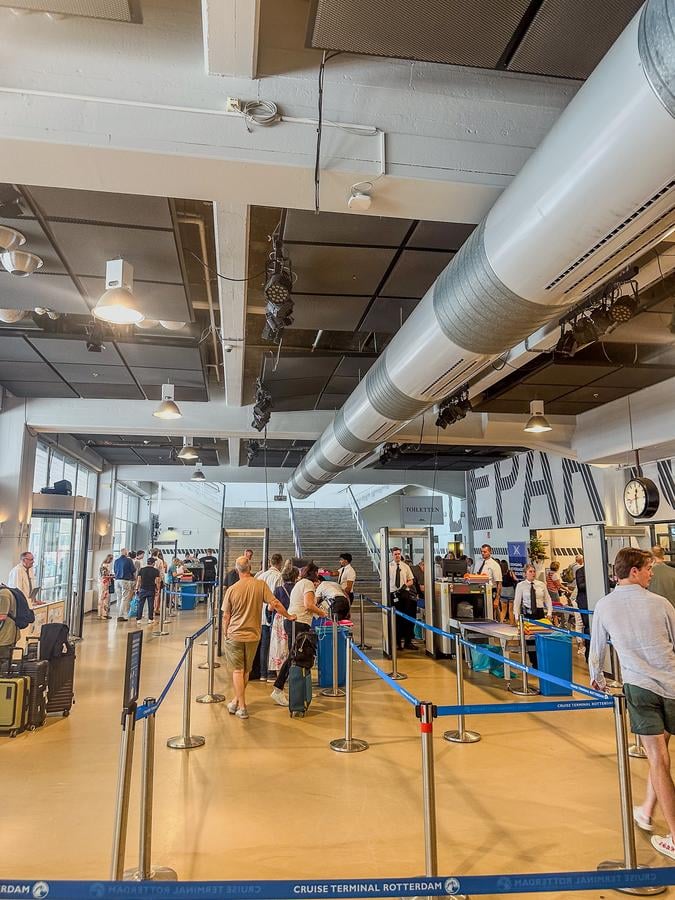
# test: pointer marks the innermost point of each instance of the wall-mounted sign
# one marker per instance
(517, 553)
(422, 510)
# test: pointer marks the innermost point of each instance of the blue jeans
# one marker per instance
(142, 597)
(265, 638)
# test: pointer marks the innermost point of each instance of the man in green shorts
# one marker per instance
(641, 626)
(242, 623)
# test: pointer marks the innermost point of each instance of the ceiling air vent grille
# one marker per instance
(655, 198)
(112, 10)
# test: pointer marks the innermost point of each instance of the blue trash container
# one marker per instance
(325, 654)
(554, 656)
(188, 592)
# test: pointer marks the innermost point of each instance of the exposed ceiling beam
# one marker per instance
(231, 235)
(230, 30)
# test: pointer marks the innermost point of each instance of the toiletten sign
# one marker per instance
(422, 510)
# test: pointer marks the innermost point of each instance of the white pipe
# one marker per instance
(199, 222)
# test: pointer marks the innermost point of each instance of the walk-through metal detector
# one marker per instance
(430, 614)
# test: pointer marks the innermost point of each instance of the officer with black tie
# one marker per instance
(401, 586)
(533, 601)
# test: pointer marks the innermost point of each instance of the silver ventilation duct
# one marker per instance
(598, 191)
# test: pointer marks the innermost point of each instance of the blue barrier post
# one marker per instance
(526, 690)
(461, 735)
(629, 860)
(348, 744)
(187, 741)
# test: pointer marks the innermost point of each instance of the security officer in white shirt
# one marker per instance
(533, 601)
(21, 576)
(401, 576)
(491, 567)
(347, 575)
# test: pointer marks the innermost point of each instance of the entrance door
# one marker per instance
(60, 560)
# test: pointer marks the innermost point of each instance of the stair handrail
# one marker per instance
(368, 539)
(294, 529)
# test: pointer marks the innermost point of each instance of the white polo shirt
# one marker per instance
(406, 574)
(347, 573)
(489, 567)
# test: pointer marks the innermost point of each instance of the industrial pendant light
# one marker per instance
(118, 304)
(198, 475)
(537, 423)
(187, 451)
(167, 409)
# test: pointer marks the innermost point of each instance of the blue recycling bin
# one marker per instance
(324, 654)
(554, 656)
(188, 594)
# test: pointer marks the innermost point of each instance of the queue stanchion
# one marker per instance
(393, 647)
(348, 744)
(362, 629)
(211, 662)
(461, 735)
(636, 750)
(210, 696)
(145, 870)
(123, 792)
(629, 860)
(334, 691)
(615, 681)
(209, 614)
(162, 616)
(187, 741)
(525, 690)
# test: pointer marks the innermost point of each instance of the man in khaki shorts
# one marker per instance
(242, 618)
(641, 626)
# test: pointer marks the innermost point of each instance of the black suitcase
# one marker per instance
(38, 672)
(61, 682)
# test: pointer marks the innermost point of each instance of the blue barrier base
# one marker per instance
(421, 885)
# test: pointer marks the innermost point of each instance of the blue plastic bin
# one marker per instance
(554, 656)
(188, 594)
(325, 654)
(481, 662)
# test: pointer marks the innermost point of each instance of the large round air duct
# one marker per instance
(597, 192)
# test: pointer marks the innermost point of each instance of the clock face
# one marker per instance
(641, 498)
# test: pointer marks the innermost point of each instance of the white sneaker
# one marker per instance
(242, 713)
(641, 820)
(664, 845)
(279, 697)
(232, 707)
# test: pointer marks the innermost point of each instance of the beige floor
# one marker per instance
(267, 798)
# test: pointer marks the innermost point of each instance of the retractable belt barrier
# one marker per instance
(573, 609)
(567, 631)
(386, 678)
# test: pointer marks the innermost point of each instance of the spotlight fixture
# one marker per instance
(198, 474)
(279, 282)
(584, 332)
(10, 316)
(95, 337)
(277, 290)
(623, 309)
(188, 450)
(20, 263)
(10, 239)
(167, 409)
(537, 423)
(453, 409)
(567, 344)
(252, 450)
(263, 406)
(389, 453)
(118, 304)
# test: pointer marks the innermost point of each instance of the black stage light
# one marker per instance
(584, 332)
(567, 344)
(252, 450)
(279, 284)
(602, 320)
(623, 309)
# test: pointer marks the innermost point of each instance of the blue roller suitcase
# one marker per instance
(299, 691)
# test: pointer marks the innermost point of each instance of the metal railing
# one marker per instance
(368, 539)
(294, 529)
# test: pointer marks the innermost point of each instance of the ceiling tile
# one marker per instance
(351, 365)
(595, 394)
(157, 301)
(386, 313)
(568, 374)
(26, 371)
(415, 272)
(91, 372)
(295, 403)
(440, 235)
(87, 248)
(342, 384)
(12, 348)
(531, 391)
(339, 270)
(302, 367)
(562, 408)
(53, 388)
(99, 206)
(344, 228)
(63, 350)
(151, 356)
(95, 390)
(36, 242)
(54, 291)
(328, 313)
(636, 378)
(119, 456)
(296, 387)
(184, 377)
(332, 401)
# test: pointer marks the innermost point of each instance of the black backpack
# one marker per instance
(24, 614)
(304, 650)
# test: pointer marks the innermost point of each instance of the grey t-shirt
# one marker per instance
(641, 626)
(8, 630)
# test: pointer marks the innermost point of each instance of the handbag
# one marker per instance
(111, 586)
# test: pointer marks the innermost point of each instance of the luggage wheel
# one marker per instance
(66, 712)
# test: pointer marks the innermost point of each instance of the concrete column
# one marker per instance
(17, 463)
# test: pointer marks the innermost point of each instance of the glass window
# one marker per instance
(41, 465)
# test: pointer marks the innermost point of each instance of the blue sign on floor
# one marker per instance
(517, 553)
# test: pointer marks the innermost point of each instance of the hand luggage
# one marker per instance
(299, 678)
(61, 682)
(38, 672)
(14, 690)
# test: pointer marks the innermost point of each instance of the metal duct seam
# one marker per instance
(475, 309)
(324, 463)
(656, 46)
(346, 438)
(387, 399)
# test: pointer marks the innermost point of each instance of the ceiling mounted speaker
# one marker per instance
(113, 10)
(19, 263)
(10, 238)
(10, 316)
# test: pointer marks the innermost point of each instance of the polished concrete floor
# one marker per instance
(267, 798)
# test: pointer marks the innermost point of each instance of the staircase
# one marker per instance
(325, 533)
(281, 539)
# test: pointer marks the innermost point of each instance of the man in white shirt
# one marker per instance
(273, 580)
(490, 567)
(21, 576)
(641, 626)
(326, 594)
(532, 598)
(347, 575)
(401, 576)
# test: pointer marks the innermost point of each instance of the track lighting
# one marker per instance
(537, 423)
(188, 450)
(118, 304)
(198, 474)
(20, 263)
(277, 290)
(167, 409)
(10, 239)
(263, 407)
(454, 408)
(623, 309)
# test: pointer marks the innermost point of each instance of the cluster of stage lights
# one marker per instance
(278, 286)
(453, 409)
(600, 317)
(263, 406)
(390, 453)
